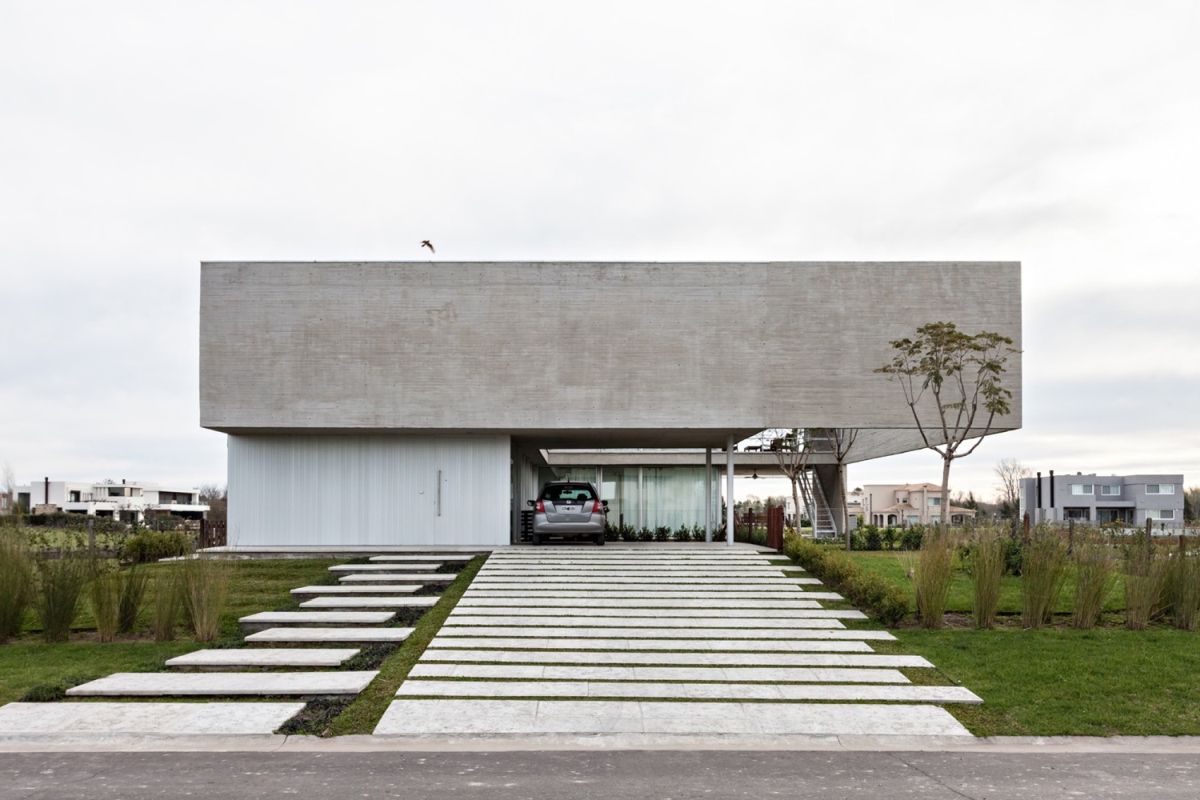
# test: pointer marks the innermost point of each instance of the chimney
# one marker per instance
(1052, 488)
(46, 490)
(1039, 490)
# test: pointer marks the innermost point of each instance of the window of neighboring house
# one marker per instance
(74, 496)
(1082, 488)
(1160, 488)
(914, 520)
(1162, 513)
(935, 501)
(1077, 513)
(1110, 491)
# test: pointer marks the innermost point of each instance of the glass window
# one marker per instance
(566, 492)
(1082, 488)
(935, 501)
(1166, 513)
(1160, 488)
(1110, 491)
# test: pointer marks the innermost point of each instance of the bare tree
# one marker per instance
(843, 440)
(792, 457)
(217, 499)
(10, 487)
(963, 374)
(1009, 472)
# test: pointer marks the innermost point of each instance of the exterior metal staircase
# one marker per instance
(819, 512)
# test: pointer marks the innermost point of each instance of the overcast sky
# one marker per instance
(138, 139)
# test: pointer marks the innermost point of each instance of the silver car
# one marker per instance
(569, 509)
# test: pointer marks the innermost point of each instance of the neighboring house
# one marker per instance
(908, 504)
(854, 507)
(127, 501)
(1123, 499)
(414, 403)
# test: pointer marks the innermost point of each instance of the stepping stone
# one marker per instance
(610, 582)
(475, 601)
(690, 691)
(443, 557)
(652, 622)
(368, 601)
(791, 587)
(707, 645)
(330, 635)
(795, 593)
(483, 717)
(644, 609)
(270, 618)
(145, 719)
(343, 589)
(559, 574)
(771, 675)
(342, 569)
(677, 659)
(161, 684)
(265, 657)
(548, 631)
(390, 577)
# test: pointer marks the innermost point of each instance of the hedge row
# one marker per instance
(873, 593)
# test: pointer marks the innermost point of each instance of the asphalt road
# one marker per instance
(609, 775)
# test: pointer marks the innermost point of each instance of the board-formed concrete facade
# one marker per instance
(323, 373)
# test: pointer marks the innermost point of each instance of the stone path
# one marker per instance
(570, 640)
(333, 615)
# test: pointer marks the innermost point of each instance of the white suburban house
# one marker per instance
(127, 501)
(907, 504)
(1121, 499)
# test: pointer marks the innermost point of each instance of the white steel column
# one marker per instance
(708, 487)
(729, 490)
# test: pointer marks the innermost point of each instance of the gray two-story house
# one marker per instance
(1128, 499)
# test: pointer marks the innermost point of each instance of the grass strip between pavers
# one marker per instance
(361, 716)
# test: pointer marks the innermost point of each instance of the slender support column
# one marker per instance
(708, 489)
(729, 490)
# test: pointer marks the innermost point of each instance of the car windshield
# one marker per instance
(568, 493)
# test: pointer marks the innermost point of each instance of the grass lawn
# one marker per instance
(28, 662)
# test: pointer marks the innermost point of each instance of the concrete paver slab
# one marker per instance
(396, 577)
(343, 589)
(790, 593)
(748, 659)
(265, 657)
(653, 622)
(659, 612)
(474, 601)
(371, 601)
(827, 629)
(416, 559)
(329, 635)
(264, 684)
(460, 717)
(706, 645)
(343, 569)
(603, 672)
(691, 691)
(319, 618)
(145, 719)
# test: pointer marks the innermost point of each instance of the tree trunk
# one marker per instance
(845, 513)
(796, 502)
(945, 515)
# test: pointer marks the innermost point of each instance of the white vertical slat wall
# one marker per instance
(370, 489)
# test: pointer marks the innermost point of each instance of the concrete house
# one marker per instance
(908, 504)
(414, 402)
(129, 501)
(1126, 499)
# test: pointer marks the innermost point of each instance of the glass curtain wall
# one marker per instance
(652, 497)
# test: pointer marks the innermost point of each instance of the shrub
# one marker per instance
(662, 533)
(146, 546)
(1044, 569)
(204, 586)
(934, 571)
(133, 592)
(104, 595)
(987, 568)
(1184, 590)
(166, 604)
(910, 538)
(883, 600)
(645, 535)
(698, 533)
(60, 584)
(888, 537)
(874, 540)
(1145, 579)
(628, 534)
(683, 534)
(1013, 556)
(16, 584)
(1095, 572)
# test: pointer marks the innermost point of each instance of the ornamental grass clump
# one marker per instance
(104, 596)
(204, 586)
(133, 592)
(61, 582)
(1095, 574)
(166, 604)
(932, 576)
(1184, 591)
(987, 568)
(1146, 572)
(16, 583)
(1043, 573)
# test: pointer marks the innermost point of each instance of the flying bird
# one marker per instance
(429, 244)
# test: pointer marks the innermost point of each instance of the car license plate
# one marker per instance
(570, 509)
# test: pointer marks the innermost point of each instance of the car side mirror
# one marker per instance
(531, 503)
(604, 503)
